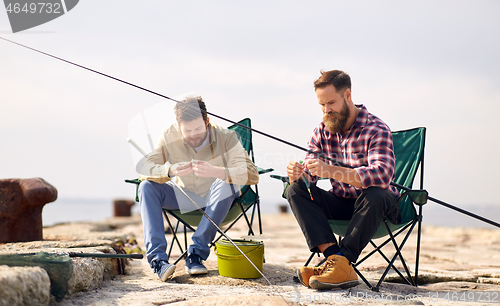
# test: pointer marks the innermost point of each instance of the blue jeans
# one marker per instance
(153, 197)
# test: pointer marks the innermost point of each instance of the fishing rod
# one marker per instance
(335, 162)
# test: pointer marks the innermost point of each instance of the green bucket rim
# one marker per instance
(239, 242)
(238, 256)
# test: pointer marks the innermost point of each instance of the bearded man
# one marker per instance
(362, 194)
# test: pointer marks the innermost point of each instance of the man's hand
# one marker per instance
(294, 170)
(205, 169)
(319, 168)
(180, 169)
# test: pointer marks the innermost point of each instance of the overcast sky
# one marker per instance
(412, 63)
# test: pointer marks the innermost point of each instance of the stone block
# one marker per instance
(21, 204)
(24, 286)
(88, 274)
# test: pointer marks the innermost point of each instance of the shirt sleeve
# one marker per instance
(381, 161)
(155, 166)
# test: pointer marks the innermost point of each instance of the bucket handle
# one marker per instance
(239, 256)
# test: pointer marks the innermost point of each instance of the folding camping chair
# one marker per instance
(409, 151)
(249, 199)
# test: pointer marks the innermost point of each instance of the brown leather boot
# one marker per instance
(304, 273)
(337, 273)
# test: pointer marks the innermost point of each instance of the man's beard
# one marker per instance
(196, 140)
(335, 122)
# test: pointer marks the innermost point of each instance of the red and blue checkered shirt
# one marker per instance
(367, 146)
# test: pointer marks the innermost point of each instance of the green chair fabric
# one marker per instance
(409, 150)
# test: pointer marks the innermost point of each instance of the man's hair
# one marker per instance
(338, 78)
(190, 108)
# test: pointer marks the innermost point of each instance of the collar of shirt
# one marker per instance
(362, 118)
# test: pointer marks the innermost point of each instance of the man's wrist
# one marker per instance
(222, 174)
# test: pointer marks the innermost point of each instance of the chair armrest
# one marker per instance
(417, 196)
(263, 171)
(284, 179)
(134, 181)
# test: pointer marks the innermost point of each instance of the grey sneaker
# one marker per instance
(194, 265)
(163, 269)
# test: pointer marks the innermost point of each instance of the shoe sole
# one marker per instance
(326, 286)
(168, 273)
(299, 275)
(196, 271)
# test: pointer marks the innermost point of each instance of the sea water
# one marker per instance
(73, 210)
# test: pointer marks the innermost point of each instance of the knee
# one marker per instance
(230, 188)
(225, 189)
(291, 190)
(375, 198)
(294, 188)
(145, 187)
(373, 194)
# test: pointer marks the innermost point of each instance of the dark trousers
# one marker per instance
(366, 212)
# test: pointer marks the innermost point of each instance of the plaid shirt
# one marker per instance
(367, 146)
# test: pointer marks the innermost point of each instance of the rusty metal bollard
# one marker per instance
(21, 204)
(122, 208)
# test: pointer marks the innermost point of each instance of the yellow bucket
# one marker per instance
(233, 264)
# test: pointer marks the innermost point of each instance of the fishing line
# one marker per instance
(335, 162)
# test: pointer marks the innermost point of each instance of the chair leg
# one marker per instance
(310, 258)
(419, 234)
(174, 234)
(227, 229)
(243, 212)
(398, 251)
(185, 238)
(259, 216)
(364, 279)
(389, 261)
(176, 239)
(408, 280)
(252, 217)
(183, 255)
(379, 247)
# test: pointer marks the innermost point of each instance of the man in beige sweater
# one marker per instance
(209, 164)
